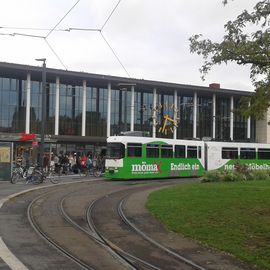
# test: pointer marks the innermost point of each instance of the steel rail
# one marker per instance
(47, 239)
(151, 240)
(91, 233)
(129, 258)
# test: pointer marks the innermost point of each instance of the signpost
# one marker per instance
(5, 160)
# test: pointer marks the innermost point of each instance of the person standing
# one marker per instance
(57, 166)
(46, 161)
(89, 163)
(26, 158)
(83, 161)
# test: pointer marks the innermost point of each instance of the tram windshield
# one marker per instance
(115, 150)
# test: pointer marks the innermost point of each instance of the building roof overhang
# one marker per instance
(98, 80)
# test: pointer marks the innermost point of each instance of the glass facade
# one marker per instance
(120, 111)
(70, 110)
(204, 117)
(101, 123)
(91, 111)
(50, 112)
(239, 123)
(165, 112)
(13, 111)
(223, 109)
(115, 112)
(185, 125)
(35, 107)
(143, 111)
(12, 105)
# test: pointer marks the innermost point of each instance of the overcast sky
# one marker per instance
(150, 37)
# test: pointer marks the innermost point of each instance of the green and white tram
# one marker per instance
(224, 155)
(131, 157)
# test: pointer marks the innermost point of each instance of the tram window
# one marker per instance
(134, 149)
(115, 150)
(247, 153)
(180, 151)
(166, 151)
(192, 152)
(200, 152)
(229, 153)
(152, 150)
(263, 153)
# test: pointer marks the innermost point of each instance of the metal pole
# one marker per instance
(109, 110)
(125, 110)
(43, 113)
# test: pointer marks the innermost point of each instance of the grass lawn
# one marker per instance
(232, 216)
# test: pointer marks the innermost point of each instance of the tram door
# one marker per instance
(213, 155)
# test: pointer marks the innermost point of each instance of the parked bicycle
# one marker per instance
(19, 172)
(95, 171)
(34, 175)
(53, 174)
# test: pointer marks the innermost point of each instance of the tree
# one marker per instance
(244, 47)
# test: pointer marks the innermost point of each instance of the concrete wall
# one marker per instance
(263, 129)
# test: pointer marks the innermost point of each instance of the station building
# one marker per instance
(83, 109)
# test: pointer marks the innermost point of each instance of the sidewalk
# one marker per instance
(7, 188)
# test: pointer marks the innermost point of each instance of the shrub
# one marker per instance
(231, 176)
(238, 175)
(259, 175)
(213, 176)
(240, 168)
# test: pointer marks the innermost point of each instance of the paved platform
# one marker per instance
(8, 190)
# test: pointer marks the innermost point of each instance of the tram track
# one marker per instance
(48, 239)
(98, 226)
(92, 234)
(133, 261)
(163, 258)
(151, 240)
(125, 258)
(81, 246)
(130, 260)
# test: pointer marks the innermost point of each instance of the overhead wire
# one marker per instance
(46, 37)
(106, 41)
(30, 28)
(7, 34)
(27, 35)
(103, 37)
(67, 30)
(54, 52)
(62, 18)
(114, 54)
(83, 29)
(110, 15)
(42, 29)
(35, 36)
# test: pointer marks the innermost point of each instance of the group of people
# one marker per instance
(75, 163)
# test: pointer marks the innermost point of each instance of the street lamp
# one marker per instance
(43, 111)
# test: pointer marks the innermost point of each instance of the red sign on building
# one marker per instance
(27, 137)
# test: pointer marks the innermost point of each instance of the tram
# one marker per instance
(144, 157)
(132, 157)
(224, 155)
